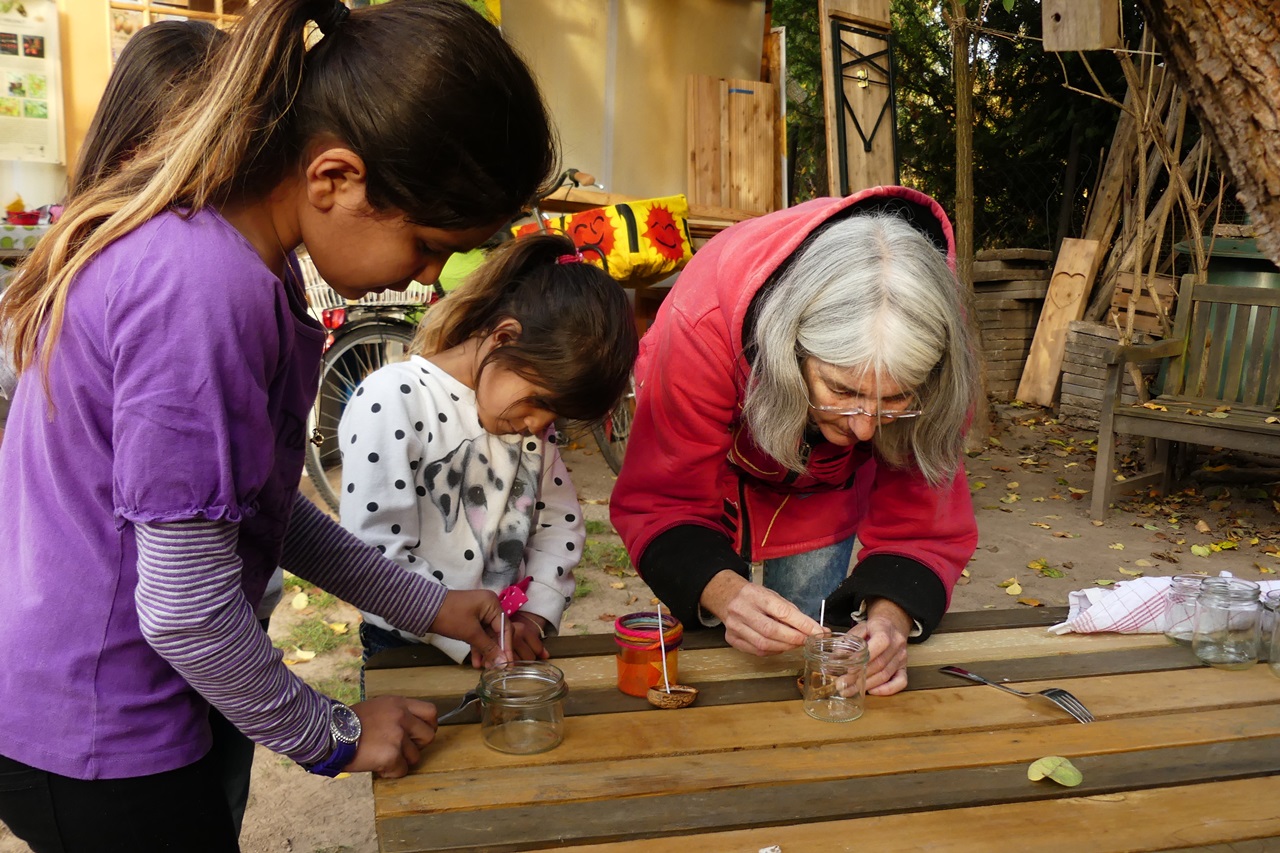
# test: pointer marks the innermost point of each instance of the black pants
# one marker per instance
(182, 810)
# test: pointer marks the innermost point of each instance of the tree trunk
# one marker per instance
(961, 35)
(1226, 54)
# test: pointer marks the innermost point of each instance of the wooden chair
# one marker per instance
(1223, 357)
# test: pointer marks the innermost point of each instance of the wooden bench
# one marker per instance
(1223, 357)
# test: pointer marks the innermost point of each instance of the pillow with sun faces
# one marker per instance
(632, 242)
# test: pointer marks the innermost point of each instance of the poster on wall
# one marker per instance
(30, 82)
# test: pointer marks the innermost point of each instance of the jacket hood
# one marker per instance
(744, 256)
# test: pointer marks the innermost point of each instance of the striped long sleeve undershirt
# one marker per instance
(193, 613)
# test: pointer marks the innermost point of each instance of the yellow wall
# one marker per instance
(658, 44)
(86, 65)
(643, 150)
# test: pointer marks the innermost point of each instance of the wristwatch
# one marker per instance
(344, 732)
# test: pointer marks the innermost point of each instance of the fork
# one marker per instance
(468, 699)
(1056, 695)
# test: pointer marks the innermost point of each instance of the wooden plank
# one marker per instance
(1080, 25)
(986, 271)
(679, 814)
(1068, 289)
(747, 109)
(439, 792)
(1201, 814)
(1253, 380)
(705, 182)
(1211, 377)
(775, 59)
(1042, 256)
(1241, 346)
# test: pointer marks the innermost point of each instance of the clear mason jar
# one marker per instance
(1228, 623)
(1180, 616)
(522, 707)
(835, 677)
(1271, 629)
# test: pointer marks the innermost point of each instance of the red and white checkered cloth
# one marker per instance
(1130, 607)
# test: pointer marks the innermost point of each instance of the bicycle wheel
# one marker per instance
(353, 356)
(611, 434)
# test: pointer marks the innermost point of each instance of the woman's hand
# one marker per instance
(393, 731)
(756, 620)
(527, 630)
(475, 617)
(885, 629)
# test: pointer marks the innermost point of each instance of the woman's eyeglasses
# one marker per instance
(881, 417)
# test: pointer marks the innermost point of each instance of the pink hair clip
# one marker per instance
(575, 258)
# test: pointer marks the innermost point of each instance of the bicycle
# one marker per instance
(363, 336)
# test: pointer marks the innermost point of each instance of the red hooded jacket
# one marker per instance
(696, 496)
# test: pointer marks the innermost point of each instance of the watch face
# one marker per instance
(345, 723)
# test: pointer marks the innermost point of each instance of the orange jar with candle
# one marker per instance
(640, 652)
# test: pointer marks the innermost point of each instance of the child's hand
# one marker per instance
(474, 617)
(527, 630)
(393, 731)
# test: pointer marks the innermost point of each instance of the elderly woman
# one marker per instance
(807, 382)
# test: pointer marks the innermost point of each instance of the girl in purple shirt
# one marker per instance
(167, 364)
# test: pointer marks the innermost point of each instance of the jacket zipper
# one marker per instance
(744, 530)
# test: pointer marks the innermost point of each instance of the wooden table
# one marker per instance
(1181, 757)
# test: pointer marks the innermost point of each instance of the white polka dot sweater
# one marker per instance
(425, 484)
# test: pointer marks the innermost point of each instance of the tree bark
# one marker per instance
(1226, 54)
(961, 36)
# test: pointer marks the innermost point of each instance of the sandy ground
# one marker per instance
(1030, 489)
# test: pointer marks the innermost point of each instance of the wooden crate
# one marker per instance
(1084, 373)
(1145, 317)
(1009, 287)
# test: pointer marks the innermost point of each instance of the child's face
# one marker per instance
(508, 404)
(359, 253)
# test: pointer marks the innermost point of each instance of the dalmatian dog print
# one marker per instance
(464, 483)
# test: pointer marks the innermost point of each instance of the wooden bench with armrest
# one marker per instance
(1222, 358)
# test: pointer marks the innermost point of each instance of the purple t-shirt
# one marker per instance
(179, 389)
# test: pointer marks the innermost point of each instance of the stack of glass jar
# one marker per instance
(1222, 618)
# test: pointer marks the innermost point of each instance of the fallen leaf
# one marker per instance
(338, 628)
(1200, 550)
(607, 617)
(1227, 545)
(1076, 491)
(1097, 523)
(1038, 564)
(1203, 526)
(993, 441)
(1264, 569)
(633, 599)
(1130, 572)
(1057, 768)
(1042, 524)
(1166, 556)
(1012, 485)
(1155, 407)
(1014, 589)
(1104, 582)
(1218, 415)
(1116, 546)
(1000, 468)
(1010, 498)
(977, 485)
(1006, 584)
(618, 585)
(1031, 602)
(1143, 563)
(655, 600)
(1150, 527)
(596, 501)
(1062, 534)
(1271, 420)
(963, 581)
(1222, 409)
(1037, 500)
(964, 573)
(299, 601)
(568, 625)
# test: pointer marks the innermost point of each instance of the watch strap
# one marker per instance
(340, 757)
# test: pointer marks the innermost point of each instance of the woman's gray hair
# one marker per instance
(869, 292)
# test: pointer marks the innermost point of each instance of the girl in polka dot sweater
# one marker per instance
(450, 464)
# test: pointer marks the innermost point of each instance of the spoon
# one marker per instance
(468, 699)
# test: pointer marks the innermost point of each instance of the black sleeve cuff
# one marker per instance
(679, 564)
(907, 583)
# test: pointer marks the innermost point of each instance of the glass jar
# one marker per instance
(522, 707)
(640, 653)
(835, 677)
(1180, 616)
(1228, 623)
(1271, 629)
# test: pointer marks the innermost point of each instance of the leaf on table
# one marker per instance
(655, 601)
(1195, 411)
(1104, 582)
(964, 573)
(1014, 588)
(299, 601)
(1218, 415)
(632, 599)
(1037, 500)
(1051, 572)
(1062, 534)
(1031, 602)
(1150, 527)
(1116, 546)
(1042, 525)
(1271, 420)
(993, 441)
(1166, 556)
(1012, 485)
(618, 585)
(1010, 498)
(1227, 545)
(1264, 569)
(1203, 526)
(1146, 564)
(1057, 768)
(1038, 564)
(607, 617)
(1201, 550)
(1006, 584)
(1130, 572)
(1222, 409)
(977, 484)
(1076, 491)
(1097, 523)
(1000, 468)
(1155, 407)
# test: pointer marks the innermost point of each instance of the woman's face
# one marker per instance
(846, 389)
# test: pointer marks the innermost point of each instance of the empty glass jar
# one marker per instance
(522, 707)
(1180, 617)
(1271, 629)
(1228, 623)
